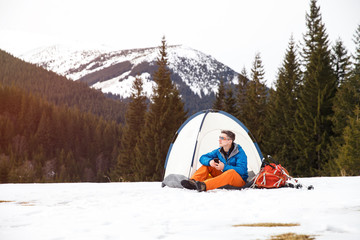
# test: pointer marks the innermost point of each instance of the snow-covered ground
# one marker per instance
(147, 211)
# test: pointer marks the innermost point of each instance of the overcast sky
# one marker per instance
(232, 31)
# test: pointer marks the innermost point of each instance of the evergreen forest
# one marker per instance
(56, 130)
(310, 122)
(53, 129)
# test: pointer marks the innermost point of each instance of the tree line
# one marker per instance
(53, 129)
(41, 142)
(310, 121)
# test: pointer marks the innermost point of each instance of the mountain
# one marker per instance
(195, 73)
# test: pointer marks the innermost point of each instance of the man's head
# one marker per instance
(226, 138)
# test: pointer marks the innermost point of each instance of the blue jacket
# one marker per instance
(236, 160)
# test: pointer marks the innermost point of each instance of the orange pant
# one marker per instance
(214, 178)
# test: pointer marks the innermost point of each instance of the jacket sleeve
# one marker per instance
(206, 158)
(240, 164)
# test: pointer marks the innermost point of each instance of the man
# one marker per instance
(226, 165)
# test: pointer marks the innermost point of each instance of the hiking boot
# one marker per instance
(189, 184)
(200, 186)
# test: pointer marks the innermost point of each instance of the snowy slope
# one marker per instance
(147, 211)
(114, 71)
(61, 58)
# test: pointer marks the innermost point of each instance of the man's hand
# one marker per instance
(218, 166)
(213, 163)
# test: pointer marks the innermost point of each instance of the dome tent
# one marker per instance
(199, 135)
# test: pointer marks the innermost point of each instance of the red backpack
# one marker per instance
(271, 175)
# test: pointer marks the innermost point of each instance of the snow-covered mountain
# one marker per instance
(195, 73)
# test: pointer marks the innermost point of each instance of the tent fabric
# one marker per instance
(199, 135)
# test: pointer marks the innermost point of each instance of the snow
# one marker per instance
(144, 210)
(61, 58)
(123, 85)
(197, 70)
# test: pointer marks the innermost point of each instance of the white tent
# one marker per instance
(199, 135)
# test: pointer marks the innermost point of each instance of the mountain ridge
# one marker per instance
(195, 73)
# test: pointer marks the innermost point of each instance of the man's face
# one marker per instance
(224, 140)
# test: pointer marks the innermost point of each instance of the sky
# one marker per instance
(232, 31)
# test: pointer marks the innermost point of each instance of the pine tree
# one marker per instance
(166, 114)
(241, 93)
(230, 101)
(347, 98)
(340, 62)
(256, 94)
(219, 103)
(313, 126)
(281, 110)
(356, 70)
(348, 160)
(134, 123)
(45, 132)
(355, 73)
